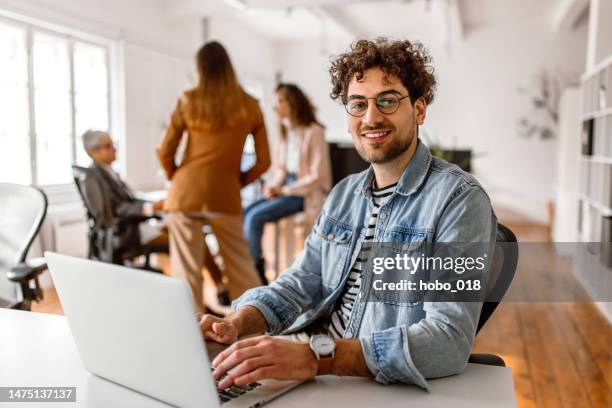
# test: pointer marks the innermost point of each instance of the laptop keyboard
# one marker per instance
(234, 391)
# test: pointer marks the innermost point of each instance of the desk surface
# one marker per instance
(38, 350)
(154, 195)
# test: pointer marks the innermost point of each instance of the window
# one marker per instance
(53, 87)
(255, 89)
(14, 128)
(251, 192)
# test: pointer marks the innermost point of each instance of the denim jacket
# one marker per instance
(434, 201)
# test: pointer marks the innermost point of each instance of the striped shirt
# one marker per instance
(342, 314)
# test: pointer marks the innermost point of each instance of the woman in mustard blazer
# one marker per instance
(217, 116)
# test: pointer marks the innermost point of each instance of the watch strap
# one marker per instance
(325, 365)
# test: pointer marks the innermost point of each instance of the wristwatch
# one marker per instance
(324, 349)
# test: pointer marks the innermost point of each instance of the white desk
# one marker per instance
(38, 350)
(155, 195)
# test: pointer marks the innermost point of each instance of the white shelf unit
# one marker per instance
(595, 186)
(596, 160)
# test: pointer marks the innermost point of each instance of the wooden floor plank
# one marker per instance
(597, 334)
(553, 324)
(547, 393)
(510, 347)
(593, 367)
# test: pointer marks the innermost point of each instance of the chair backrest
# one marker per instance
(22, 212)
(505, 261)
(93, 197)
(345, 161)
(79, 174)
(103, 225)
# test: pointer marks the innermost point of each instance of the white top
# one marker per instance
(292, 155)
(342, 314)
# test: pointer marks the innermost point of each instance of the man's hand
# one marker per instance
(217, 329)
(245, 321)
(255, 359)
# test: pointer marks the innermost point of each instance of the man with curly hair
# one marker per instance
(406, 197)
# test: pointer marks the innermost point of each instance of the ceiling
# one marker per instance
(289, 20)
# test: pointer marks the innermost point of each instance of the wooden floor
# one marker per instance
(560, 352)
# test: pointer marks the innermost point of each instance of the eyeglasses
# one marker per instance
(106, 146)
(386, 105)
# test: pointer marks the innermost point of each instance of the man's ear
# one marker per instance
(420, 108)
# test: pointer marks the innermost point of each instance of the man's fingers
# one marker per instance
(206, 321)
(217, 329)
(228, 351)
(222, 328)
(255, 375)
(246, 367)
(240, 363)
(211, 335)
(221, 332)
(234, 359)
(237, 345)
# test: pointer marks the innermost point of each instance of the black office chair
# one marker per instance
(505, 261)
(104, 231)
(22, 212)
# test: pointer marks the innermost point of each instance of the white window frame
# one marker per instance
(30, 26)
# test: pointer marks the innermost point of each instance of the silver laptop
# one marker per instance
(138, 329)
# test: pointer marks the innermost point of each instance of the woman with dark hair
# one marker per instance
(217, 116)
(301, 172)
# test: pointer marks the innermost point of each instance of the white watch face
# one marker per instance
(324, 345)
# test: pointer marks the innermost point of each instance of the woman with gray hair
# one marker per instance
(122, 201)
(124, 205)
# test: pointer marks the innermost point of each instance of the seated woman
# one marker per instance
(300, 174)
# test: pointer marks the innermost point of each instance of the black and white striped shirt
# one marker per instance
(342, 314)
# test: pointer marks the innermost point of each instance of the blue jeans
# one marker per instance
(262, 211)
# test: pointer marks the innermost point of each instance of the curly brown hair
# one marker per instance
(301, 107)
(409, 61)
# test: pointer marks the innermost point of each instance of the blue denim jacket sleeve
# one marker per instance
(297, 290)
(439, 345)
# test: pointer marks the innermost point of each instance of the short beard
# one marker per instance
(392, 152)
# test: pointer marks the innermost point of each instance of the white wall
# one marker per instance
(305, 64)
(603, 41)
(153, 83)
(477, 104)
(565, 227)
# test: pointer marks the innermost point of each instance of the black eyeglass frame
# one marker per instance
(399, 100)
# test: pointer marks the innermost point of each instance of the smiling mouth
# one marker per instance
(375, 135)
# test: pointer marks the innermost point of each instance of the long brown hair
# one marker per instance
(302, 111)
(218, 99)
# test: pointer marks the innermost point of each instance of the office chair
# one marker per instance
(104, 230)
(505, 261)
(22, 212)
